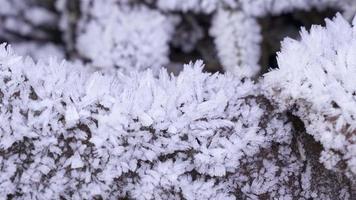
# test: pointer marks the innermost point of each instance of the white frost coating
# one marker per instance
(237, 39)
(116, 35)
(316, 80)
(70, 133)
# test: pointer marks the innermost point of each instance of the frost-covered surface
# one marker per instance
(121, 36)
(76, 130)
(68, 133)
(316, 81)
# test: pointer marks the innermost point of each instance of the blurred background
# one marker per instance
(140, 34)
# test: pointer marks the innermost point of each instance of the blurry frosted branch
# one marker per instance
(237, 39)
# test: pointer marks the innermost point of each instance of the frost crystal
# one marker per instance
(315, 81)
